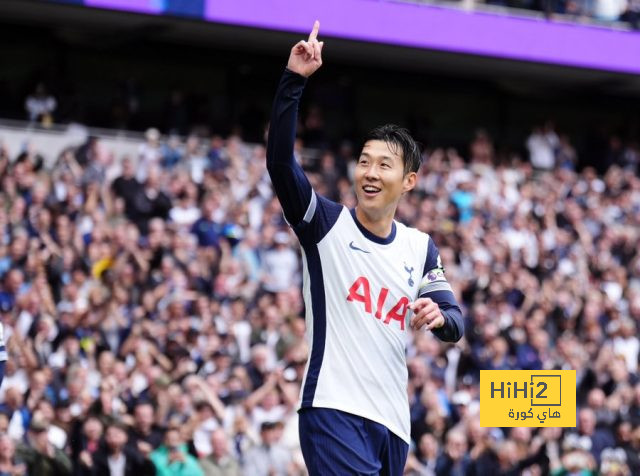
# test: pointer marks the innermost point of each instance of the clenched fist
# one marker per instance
(425, 311)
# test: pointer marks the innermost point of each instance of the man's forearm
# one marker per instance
(453, 327)
(284, 116)
(289, 181)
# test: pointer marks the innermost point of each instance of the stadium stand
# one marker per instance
(610, 13)
(150, 288)
(152, 306)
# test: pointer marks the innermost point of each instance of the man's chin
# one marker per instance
(368, 199)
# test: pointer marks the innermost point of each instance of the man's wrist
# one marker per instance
(287, 70)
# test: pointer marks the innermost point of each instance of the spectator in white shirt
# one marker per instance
(40, 105)
(542, 145)
(280, 265)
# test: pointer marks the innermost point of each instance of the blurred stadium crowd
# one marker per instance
(153, 314)
(601, 11)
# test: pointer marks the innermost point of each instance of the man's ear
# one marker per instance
(409, 181)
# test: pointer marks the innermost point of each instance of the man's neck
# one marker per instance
(380, 226)
(115, 454)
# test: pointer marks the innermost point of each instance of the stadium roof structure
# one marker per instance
(419, 36)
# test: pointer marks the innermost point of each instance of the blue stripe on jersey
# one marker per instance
(318, 308)
(371, 236)
(432, 258)
(310, 234)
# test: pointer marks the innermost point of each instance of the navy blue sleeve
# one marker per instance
(453, 323)
(289, 181)
(434, 285)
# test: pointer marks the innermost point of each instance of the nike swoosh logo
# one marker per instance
(354, 247)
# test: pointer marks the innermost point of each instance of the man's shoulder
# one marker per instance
(256, 451)
(209, 466)
(330, 208)
(25, 451)
(200, 221)
(281, 450)
(100, 458)
(323, 216)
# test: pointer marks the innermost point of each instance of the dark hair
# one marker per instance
(397, 136)
(119, 424)
(270, 425)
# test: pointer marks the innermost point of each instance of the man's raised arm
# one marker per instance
(289, 181)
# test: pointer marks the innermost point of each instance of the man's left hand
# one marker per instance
(426, 312)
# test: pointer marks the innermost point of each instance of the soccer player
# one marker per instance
(364, 274)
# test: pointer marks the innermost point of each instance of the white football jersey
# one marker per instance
(357, 288)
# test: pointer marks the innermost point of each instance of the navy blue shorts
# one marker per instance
(338, 443)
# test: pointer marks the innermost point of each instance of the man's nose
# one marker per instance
(372, 172)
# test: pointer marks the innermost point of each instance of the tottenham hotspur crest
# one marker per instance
(409, 270)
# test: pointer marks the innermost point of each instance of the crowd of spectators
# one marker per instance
(153, 313)
(603, 12)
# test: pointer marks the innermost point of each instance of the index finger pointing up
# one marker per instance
(314, 33)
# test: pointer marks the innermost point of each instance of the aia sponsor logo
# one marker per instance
(360, 291)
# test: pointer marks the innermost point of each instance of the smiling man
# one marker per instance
(364, 275)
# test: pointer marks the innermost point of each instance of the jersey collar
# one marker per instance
(370, 236)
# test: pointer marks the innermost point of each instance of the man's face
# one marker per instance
(6, 447)
(144, 417)
(219, 444)
(380, 179)
(456, 446)
(127, 169)
(172, 439)
(93, 429)
(115, 438)
(270, 436)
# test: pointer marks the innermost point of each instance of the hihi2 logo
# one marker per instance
(528, 398)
